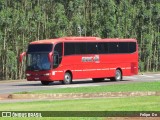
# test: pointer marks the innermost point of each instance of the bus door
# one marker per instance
(57, 58)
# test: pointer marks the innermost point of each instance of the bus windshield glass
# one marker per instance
(38, 61)
(37, 56)
(40, 48)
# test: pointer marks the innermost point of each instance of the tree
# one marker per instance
(23, 21)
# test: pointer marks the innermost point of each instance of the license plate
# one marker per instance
(36, 78)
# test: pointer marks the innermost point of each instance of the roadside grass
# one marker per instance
(142, 86)
(145, 103)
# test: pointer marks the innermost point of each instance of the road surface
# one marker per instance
(8, 87)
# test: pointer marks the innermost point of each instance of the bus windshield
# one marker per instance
(40, 48)
(38, 61)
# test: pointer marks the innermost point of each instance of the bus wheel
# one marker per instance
(67, 78)
(97, 79)
(118, 76)
(45, 82)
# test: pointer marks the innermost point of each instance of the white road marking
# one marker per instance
(157, 74)
(131, 78)
(146, 76)
(72, 86)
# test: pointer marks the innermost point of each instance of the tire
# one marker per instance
(97, 79)
(67, 78)
(45, 82)
(118, 76)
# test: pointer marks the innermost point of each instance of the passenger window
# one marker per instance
(69, 48)
(132, 47)
(103, 48)
(113, 47)
(123, 47)
(92, 48)
(80, 48)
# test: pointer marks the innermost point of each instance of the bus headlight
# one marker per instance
(47, 74)
(28, 75)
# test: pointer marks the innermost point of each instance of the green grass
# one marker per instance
(142, 86)
(147, 103)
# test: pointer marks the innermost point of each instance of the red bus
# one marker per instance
(67, 58)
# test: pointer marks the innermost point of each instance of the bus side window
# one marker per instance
(123, 47)
(57, 57)
(103, 47)
(92, 48)
(113, 47)
(132, 47)
(81, 48)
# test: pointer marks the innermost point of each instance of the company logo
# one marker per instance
(21, 114)
(6, 114)
(91, 59)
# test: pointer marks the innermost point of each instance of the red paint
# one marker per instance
(93, 66)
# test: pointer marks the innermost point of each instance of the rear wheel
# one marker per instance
(118, 76)
(45, 82)
(97, 79)
(67, 78)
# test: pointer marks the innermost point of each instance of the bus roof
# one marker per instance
(120, 39)
(84, 39)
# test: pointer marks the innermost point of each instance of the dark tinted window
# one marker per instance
(58, 49)
(69, 48)
(92, 48)
(80, 48)
(113, 47)
(103, 48)
(132, 47)
(40, 48)
(57, 58)
(123, 47)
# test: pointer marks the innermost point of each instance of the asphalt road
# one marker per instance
(8, 87)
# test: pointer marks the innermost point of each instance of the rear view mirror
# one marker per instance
(50, 56)
(21, 56)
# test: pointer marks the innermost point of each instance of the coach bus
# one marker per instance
(67, 58)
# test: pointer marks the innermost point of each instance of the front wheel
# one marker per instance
(118, 76)
(67, 78)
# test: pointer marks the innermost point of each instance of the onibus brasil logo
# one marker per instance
(21, 114)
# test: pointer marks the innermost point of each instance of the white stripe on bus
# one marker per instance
(96, 69)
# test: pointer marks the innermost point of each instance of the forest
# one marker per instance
(23, 21)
